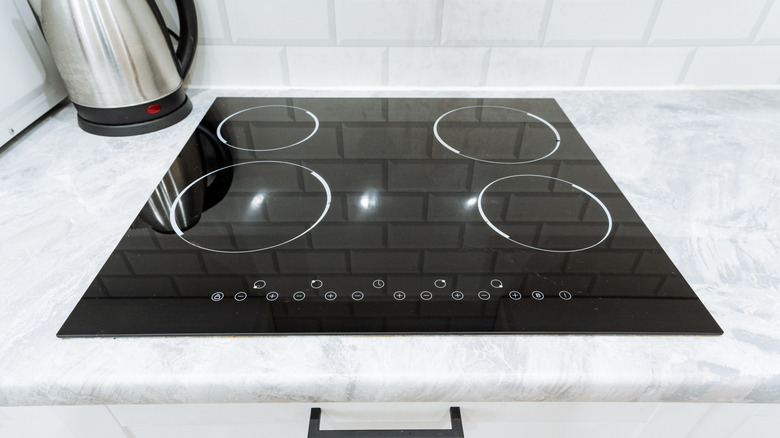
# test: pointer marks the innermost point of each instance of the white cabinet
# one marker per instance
(59, 422)
(214, 420)
(480, 420)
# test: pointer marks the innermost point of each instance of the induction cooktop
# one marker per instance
(387, 216)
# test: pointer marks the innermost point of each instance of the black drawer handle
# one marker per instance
(455, 432)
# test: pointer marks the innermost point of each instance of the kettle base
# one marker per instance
(145, 127)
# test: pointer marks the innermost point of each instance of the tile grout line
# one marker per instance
(686, 67)
(760, 22)
(485, 67)
(227, 36)
(541, 40)
(385, 79)
(652, 21)
(585, 67)
(285, 67)
(438, 19)
(332, 22)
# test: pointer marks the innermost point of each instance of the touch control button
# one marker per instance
(458, 295)
(440, 283)
(330, 295)
(426, 295)
(496, 283)
(483, 295)
(259, 284)
(564, 295)
(298, 296)
(379, 284)
(399, 295)
(537, 295)
(357, 295)
(316, 284)
(515, 295)
(240, 296)
(217, 296)
(272, 296)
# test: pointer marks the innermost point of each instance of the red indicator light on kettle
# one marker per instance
(153, 109)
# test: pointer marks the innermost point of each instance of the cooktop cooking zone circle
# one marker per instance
(496, 134)
(270, 203)
(544, 213)
(267, 132)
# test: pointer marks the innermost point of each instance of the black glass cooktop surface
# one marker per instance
(374, 215)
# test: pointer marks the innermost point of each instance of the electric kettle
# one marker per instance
(118, 62)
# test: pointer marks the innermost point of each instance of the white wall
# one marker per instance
(493, 43)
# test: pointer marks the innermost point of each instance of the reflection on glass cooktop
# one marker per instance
(374, 215)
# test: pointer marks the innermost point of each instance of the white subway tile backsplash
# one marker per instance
(770, 29)
(536, 66)
(750, 65)
(436, 66)
(580, 22)
(211, 20)
(701, 20)
(336, 66)
(636, 66)
(757, 426)
(278, 21)
(473, 43)
(237, 66)
(372, 22)
(470, 22)
(212, 27)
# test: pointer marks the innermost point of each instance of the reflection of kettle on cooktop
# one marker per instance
(203, 154)
(118, 62)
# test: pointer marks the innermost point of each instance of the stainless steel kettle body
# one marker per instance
(118, 62)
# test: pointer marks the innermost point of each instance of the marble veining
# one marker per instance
(700, 167)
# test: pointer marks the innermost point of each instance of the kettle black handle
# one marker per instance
(188, 35)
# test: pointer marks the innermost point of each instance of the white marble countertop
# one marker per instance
(702, 168)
